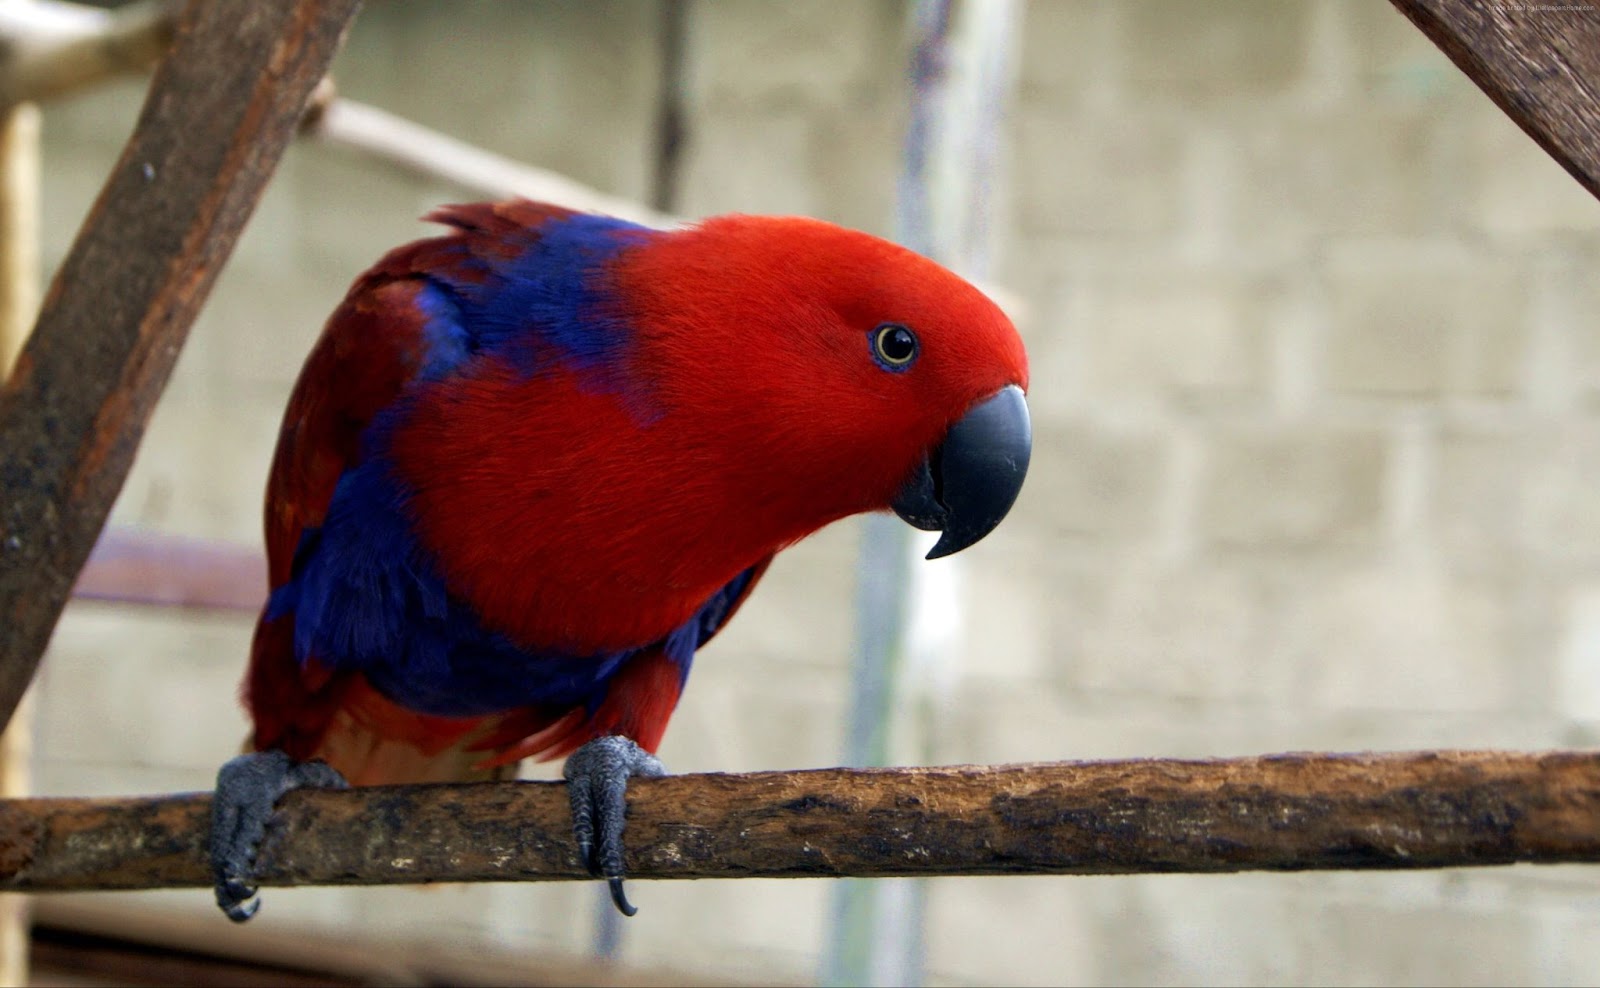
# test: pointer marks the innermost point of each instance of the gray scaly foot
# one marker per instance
(248, 787)
(597, 777)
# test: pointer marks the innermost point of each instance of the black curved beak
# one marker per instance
(968, 482)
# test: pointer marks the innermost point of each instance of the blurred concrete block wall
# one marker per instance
(1315, 335)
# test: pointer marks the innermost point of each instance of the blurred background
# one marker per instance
(1316, 392)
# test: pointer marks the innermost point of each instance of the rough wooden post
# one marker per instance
(222, 107)
(19, 300)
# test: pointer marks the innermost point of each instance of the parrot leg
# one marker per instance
(248, 787)
(597, 777)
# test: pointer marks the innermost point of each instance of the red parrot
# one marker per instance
(533, 464)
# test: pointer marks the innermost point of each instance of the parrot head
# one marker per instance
(849, 373)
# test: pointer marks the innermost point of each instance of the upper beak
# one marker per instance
(968, 482)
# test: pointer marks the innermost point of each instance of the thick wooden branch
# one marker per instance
(1277, 813)
(221, 108)
(1540, 62)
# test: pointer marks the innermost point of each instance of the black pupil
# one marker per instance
(897, 344)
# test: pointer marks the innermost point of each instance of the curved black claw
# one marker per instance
(248, 787)
(597, 784)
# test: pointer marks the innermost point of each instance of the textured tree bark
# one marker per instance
(1275, 813)
(1539, 62)
(221, 109)
(19, 303)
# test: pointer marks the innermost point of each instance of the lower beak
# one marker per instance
(967, 483)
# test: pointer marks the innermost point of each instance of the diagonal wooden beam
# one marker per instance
(1273, 813)
(1539, 62)
(222, 106)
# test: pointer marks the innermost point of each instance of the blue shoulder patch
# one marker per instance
(551, 295)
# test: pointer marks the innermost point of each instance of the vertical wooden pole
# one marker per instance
(19, 302)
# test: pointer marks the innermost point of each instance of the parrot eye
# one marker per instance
(894, 346)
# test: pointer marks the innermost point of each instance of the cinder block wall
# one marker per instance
(1313, 330)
